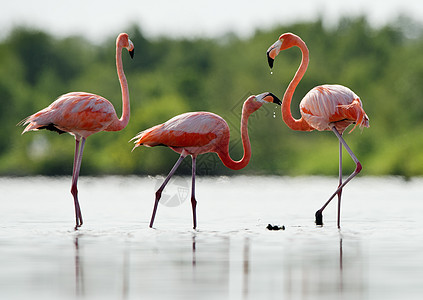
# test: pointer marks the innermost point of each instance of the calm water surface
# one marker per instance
(378, 253)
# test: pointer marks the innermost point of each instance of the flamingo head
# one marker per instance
(268, 98)
(123, 41)
(253, 103)
(285, 41)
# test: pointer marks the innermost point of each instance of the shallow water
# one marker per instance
(378, 253)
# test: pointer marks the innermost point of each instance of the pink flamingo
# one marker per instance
(83, 114)
(196, 133)
(325, 107)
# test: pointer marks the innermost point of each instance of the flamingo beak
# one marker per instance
(131, 49)
(268, 98)
(272, 52)
(275, 99)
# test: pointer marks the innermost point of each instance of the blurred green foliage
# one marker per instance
(384, 66)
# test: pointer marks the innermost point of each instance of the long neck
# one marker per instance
(224, 155)
(124, 119)
(287, 117)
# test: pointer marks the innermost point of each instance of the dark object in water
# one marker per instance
(275, 227)
(319, 218)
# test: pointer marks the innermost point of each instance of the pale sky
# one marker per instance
(99, 19)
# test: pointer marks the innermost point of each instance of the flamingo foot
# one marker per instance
(78, 224)
(319, 218)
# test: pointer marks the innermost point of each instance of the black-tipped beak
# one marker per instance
(270, 60)
(275, 99)
(131, 53)
(268, 98)
(273, 51)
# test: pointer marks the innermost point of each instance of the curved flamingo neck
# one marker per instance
(121, 123)
(224, 155)
(287, 117)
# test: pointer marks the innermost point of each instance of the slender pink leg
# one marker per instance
(193, 200)
(74, 189)
(161, 188)
(339, 184)
(319, 216)
(75, 157)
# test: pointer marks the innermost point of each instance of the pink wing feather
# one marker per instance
(77, 113)
(327, 104)
(196, 132)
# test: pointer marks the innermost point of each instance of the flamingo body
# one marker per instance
(78, 113)
(332, 104)
(83, 114)
(196, 133)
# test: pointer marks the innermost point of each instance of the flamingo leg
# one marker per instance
(79, 149)
(193, 200)
(161, 188)
(339, 184)
(319, 216)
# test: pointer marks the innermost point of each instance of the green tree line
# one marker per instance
(169, 76)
